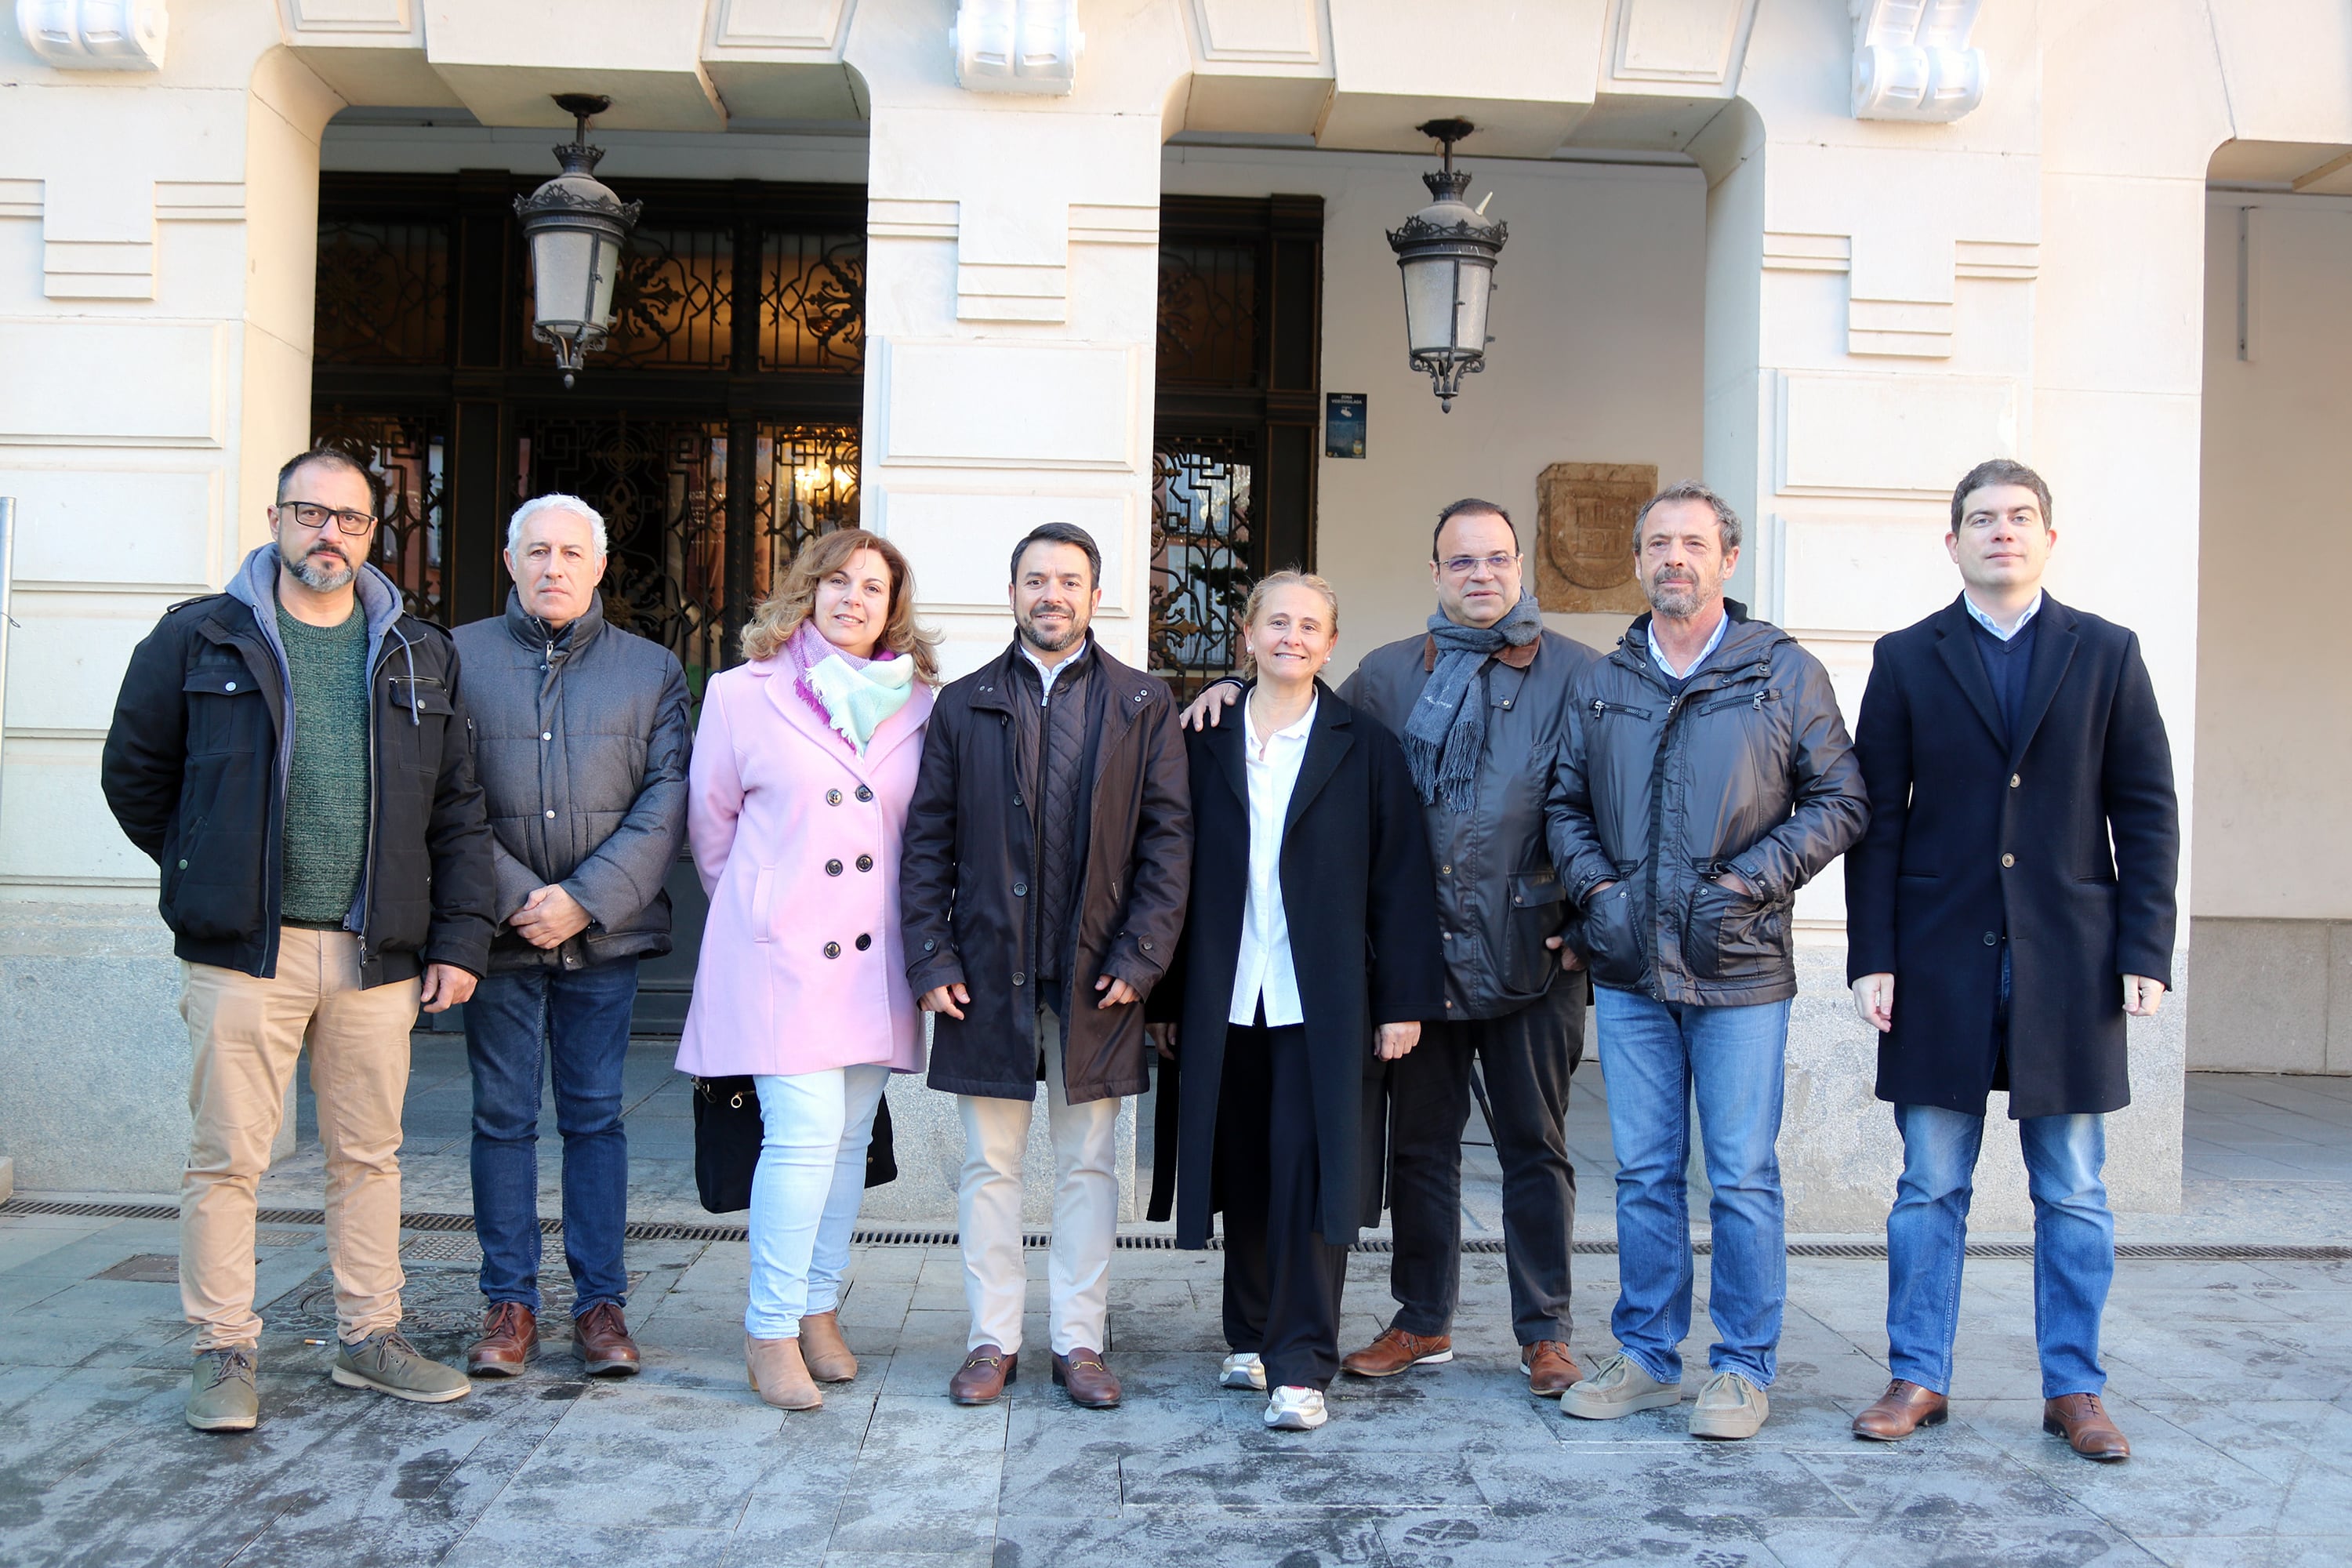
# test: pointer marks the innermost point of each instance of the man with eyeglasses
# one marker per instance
(1481, 700)
(293, 754)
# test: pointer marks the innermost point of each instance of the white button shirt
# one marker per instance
(1264, 969)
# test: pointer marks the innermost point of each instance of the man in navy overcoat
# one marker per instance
(2011, 903)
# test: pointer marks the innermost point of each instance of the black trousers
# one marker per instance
(1526, 1058)
(1283, 1280)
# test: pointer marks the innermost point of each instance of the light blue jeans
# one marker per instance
(805, 1192)
(1927, 1240)
(1655, 1055)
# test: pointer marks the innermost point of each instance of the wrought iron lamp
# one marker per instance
(576, 226)
(1446, 252)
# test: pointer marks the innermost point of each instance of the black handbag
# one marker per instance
(727, 1131)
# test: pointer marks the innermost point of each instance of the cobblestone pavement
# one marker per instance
(2233, 1379)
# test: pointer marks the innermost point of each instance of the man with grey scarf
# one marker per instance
(1481, 701)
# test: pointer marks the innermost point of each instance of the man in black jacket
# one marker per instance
(293, 754)
(580, 740)
(1706, 779)
(1490, 690)
(2018, 880)
(1048, 849)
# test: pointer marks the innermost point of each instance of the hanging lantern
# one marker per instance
(576, 227)
(1446, 252)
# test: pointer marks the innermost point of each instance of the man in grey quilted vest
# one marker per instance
(582, 735)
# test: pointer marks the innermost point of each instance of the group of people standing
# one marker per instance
(1335, 918)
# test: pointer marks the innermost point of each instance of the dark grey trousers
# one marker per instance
(1525, 1059)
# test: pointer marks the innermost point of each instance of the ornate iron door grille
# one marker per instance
(715, 440)
(1201, 558)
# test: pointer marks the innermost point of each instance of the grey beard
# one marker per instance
(324, 580)
(1679, 600)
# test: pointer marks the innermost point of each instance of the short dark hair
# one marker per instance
(1727, 521)
(2000, 471)
(1061, 533)
(1466, 504)
(333, 457)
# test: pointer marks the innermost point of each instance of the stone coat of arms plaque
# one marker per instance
(1584, 536)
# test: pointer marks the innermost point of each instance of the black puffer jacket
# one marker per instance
(581, 739)
(195, 770)
(1748, 768)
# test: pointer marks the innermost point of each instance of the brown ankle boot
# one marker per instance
(826, 1353)
(779, 1376)
(509, 1339)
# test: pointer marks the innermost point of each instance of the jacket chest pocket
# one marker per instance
(225, 708)
(415, 720)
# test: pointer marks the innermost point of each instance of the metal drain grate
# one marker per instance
(284, 1237)
(673, 1230)
(442, 1248)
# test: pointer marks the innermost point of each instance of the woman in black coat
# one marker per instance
(1309, 958)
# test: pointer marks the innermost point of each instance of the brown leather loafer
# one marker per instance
(982, 1378)
(1902, 1410)
(2082, 1421)
(509, 1339)
(1396, 1351)
(603, 1343)
(1550, 1368)
(828, 1356)
(1091, 1384)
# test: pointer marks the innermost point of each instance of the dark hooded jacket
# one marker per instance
(195, 764)
(1746, 768)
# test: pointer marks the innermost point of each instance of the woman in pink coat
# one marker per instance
(802, 767)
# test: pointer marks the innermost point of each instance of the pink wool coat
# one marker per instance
(796, 838)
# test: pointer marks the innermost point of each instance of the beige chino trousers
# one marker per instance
(248, 1036)
(1086, 1210)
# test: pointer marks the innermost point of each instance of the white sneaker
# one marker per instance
(1618, 1387)
(1243, 1368)
(1296, 1410)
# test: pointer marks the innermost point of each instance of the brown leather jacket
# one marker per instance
(969, 853)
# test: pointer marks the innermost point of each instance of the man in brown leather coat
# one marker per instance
(1047, 855)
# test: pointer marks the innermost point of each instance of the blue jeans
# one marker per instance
(805, 1192)
(1928, 1236)
(1654, 1055)
(511, 1022)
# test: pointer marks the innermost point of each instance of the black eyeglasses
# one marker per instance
(314, 517)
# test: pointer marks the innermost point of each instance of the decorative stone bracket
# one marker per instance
(1017, 45)
(96, 35)
(1013, 265)
(1912, 59)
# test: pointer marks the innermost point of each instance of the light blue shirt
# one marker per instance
(1658, 655)
(1986, 621)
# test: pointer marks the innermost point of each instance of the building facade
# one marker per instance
(953, 270)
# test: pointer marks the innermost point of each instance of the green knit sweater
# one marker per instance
(327, 780)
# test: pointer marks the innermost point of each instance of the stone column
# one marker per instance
(1012, 306)
(155, 331)
(1882, 314)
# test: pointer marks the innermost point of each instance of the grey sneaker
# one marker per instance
(221, 1395)
(1618, 1387)
(1729, 1406)
(390, 1365)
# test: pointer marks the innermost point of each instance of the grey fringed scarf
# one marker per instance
(1446, 737)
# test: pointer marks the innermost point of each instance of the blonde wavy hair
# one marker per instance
(792, 600)
(1272, 580)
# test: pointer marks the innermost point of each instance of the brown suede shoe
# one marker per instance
(509, 1339)
(1550, 1368)
(603, 1343)
(982, 1378)
(1091, 1384)
(778, 1374)
(826, 1353)
(2082, 1421)
(1902, 1410)
(1395, 1351)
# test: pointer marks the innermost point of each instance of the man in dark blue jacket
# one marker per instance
(2007, 741)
